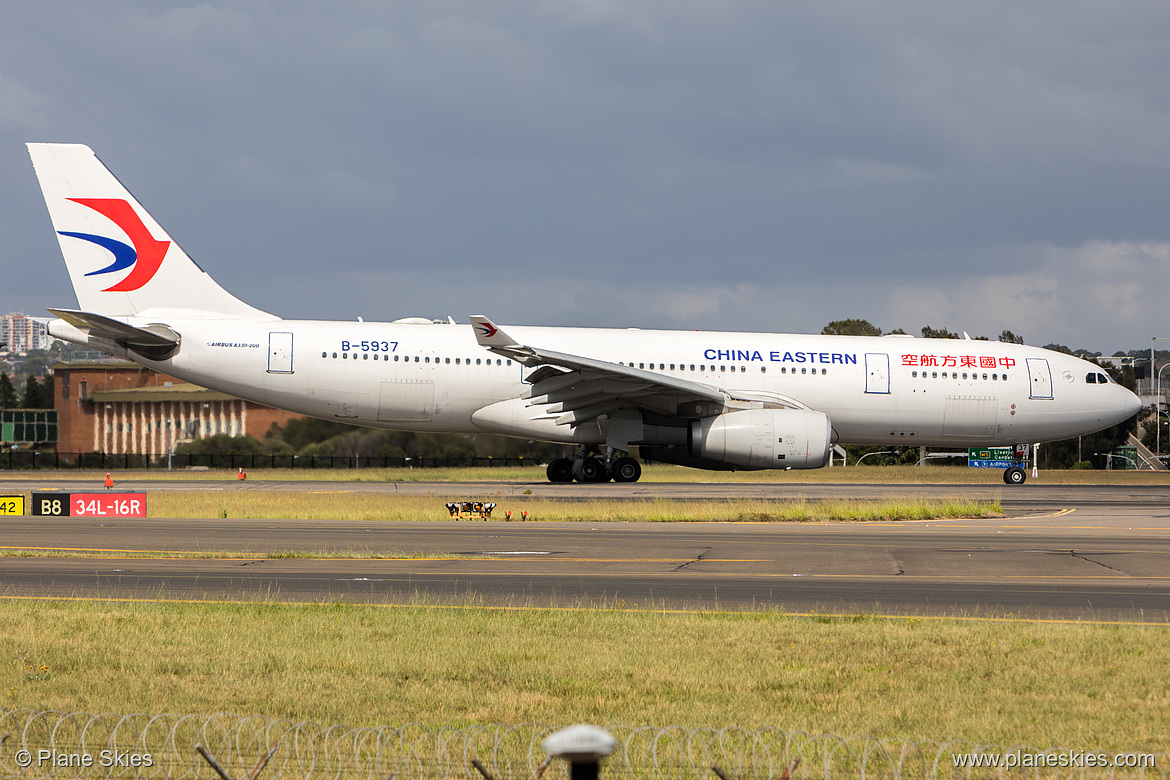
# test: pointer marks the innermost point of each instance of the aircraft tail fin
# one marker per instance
(120, 260)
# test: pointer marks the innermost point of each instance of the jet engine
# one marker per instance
(763, 439)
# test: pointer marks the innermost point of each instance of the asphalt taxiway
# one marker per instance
(1093, 552)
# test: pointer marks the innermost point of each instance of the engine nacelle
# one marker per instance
(764, 439)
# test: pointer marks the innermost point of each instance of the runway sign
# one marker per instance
(89, 504)
(11, 505)
(990, 458)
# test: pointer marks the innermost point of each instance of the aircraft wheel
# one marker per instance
(560, 470)
(1015, 476)
(626, 470)
(593, 470)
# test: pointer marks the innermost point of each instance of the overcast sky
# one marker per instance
(717, 165)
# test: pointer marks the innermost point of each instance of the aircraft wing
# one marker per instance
(577, 389)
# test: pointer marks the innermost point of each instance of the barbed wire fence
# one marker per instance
(83, 745)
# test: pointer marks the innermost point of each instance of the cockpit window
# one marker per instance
(1094, 378)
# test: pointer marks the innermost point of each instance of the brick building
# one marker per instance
(116, 407)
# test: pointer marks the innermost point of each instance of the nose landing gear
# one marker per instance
(1015, 476)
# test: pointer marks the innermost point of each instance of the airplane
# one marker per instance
(710, 400)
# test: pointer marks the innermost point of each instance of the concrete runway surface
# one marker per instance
(1092, 553)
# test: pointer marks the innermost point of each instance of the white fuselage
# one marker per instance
(435, 377)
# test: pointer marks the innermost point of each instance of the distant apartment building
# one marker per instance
(22, 333)
(115, 406)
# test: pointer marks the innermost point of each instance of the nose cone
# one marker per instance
(1132, 404)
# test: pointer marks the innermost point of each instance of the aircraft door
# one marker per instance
(280, 352)
(877, 373)
(1039, 378)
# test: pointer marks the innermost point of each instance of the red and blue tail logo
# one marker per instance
(143, 259)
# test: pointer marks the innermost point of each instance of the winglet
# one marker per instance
(489, 335)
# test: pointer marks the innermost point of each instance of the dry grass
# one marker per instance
(1080, 686)
(366, 507)
(365, 555)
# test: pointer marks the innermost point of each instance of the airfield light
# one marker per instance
(583, 746)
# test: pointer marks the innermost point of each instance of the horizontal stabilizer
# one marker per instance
(155, 341)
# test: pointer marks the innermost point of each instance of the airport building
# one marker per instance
(119, 407)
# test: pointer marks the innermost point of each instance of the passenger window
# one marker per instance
(692, 366)
(366, 356)
(722, 368)
(733, 369)
(763, 369)
(324, 354)
(335, 356)
(964, 374)
(345, 356)
(934, 375)
(477, 361)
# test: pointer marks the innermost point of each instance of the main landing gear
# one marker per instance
(593, 468)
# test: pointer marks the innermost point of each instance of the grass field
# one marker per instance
(1041, 684)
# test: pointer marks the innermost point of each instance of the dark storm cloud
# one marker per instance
(734, 165)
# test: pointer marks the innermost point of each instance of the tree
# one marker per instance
(38, 394)
(851, 328)
(1007, 337)
(8, 397)
(221, 444)
(32, 398)
(940, 333)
